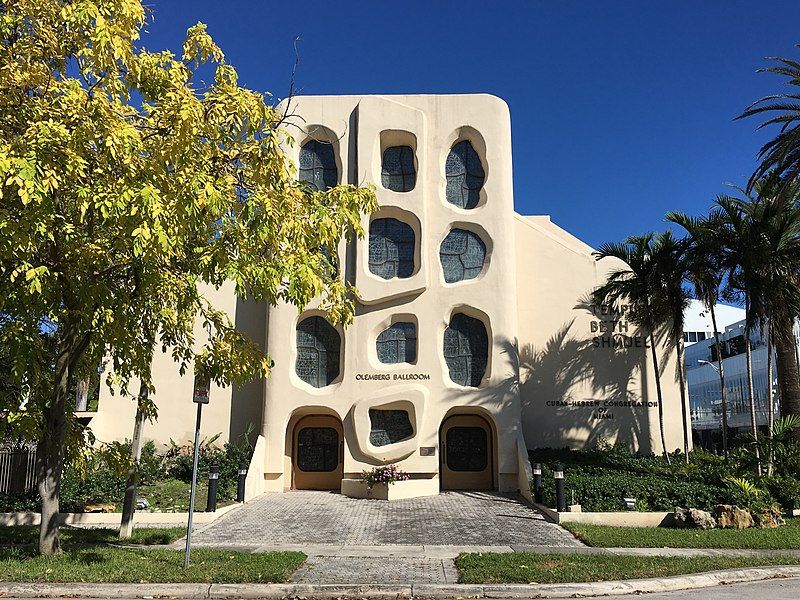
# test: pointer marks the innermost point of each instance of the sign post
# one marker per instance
(200, 396)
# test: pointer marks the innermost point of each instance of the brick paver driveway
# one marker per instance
(449, 519)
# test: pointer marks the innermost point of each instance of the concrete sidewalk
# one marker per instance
(399, 590)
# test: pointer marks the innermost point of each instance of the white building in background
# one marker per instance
(697, 322)
(705, 398)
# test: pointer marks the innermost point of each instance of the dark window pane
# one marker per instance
(397, 169)
(389, 426)
(391, 248)
(462, 255)
(318, 349)
(318, 165)
(466, 350)
(467, 449)
(397, 344)
(318, 449)
(465, 175)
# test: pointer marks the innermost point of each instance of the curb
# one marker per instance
(333, 591)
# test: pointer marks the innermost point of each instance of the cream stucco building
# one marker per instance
(473, 338)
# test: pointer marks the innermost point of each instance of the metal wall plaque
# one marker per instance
(427, 451)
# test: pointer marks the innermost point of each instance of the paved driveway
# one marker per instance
(449, 519)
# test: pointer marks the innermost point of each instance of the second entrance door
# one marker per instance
(466, 453)
(317, 453)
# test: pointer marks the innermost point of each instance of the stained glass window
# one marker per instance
(397, 169)
(397, 344)
(465, 175)
(389, 426)
(391, 248)
(318, 348)
(466, 350)
(318, 449)
(467, 449)
(318, 165)
(462, 254)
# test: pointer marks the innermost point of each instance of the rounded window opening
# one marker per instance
(397, 344)
(462, 255)
(318, 165)
(318, 351)
(391, 249)
(397, 169)
(389, 426)
(465, 176)
(466, 350)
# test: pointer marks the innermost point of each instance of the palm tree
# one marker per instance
(739, 238)
(671, 270)
(704, 274)
(635, 284)
(780, 157)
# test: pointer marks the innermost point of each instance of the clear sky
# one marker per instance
(621, 109)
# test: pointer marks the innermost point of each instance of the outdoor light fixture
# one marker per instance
(630, 503)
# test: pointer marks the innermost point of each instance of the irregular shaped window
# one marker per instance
(397, 344)
(466, 350)
(462, 255)
(318, 349)
(318, 165)
(391, 248)
(465, 175)
(389, 426)
(397, 169)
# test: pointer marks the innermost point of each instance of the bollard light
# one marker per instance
(240, 482)
(213, 482)
(630, 503)
(558, 475)
(537, 483)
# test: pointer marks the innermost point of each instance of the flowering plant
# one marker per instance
(388, 474)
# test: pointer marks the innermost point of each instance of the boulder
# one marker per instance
(702, 519)
(733, 517)
(693, 518)
(769, 518)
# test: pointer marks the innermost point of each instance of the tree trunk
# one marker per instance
(684, 408)
(770, 398)
(722, 391)
(129, 505)
(50, 454)
(751, 395)
(786, 361)
(658, 394)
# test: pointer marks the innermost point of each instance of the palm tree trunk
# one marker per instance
(770, 398)
(659, 395)
(723, 393)
(751, 393)
(786, 361)
(684, 408)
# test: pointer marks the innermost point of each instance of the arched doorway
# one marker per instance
(317, 453)
(466, 453)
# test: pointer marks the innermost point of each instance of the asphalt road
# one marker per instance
(773, 589)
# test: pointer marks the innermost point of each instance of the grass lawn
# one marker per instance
(148, 536)
(603, 536)
(528, 567)
(172, 495)
(106, 564)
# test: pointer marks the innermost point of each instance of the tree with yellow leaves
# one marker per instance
(127, 184)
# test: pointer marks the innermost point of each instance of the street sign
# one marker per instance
(202, 389)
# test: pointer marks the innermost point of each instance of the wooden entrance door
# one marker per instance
(318, 453)
(466, 453)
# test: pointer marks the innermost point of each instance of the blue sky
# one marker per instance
(621, 110)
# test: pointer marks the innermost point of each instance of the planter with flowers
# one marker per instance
(386, 483)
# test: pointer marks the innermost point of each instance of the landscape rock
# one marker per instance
(100, 508)
(733, 517)
(770, 518)
(693, 518)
